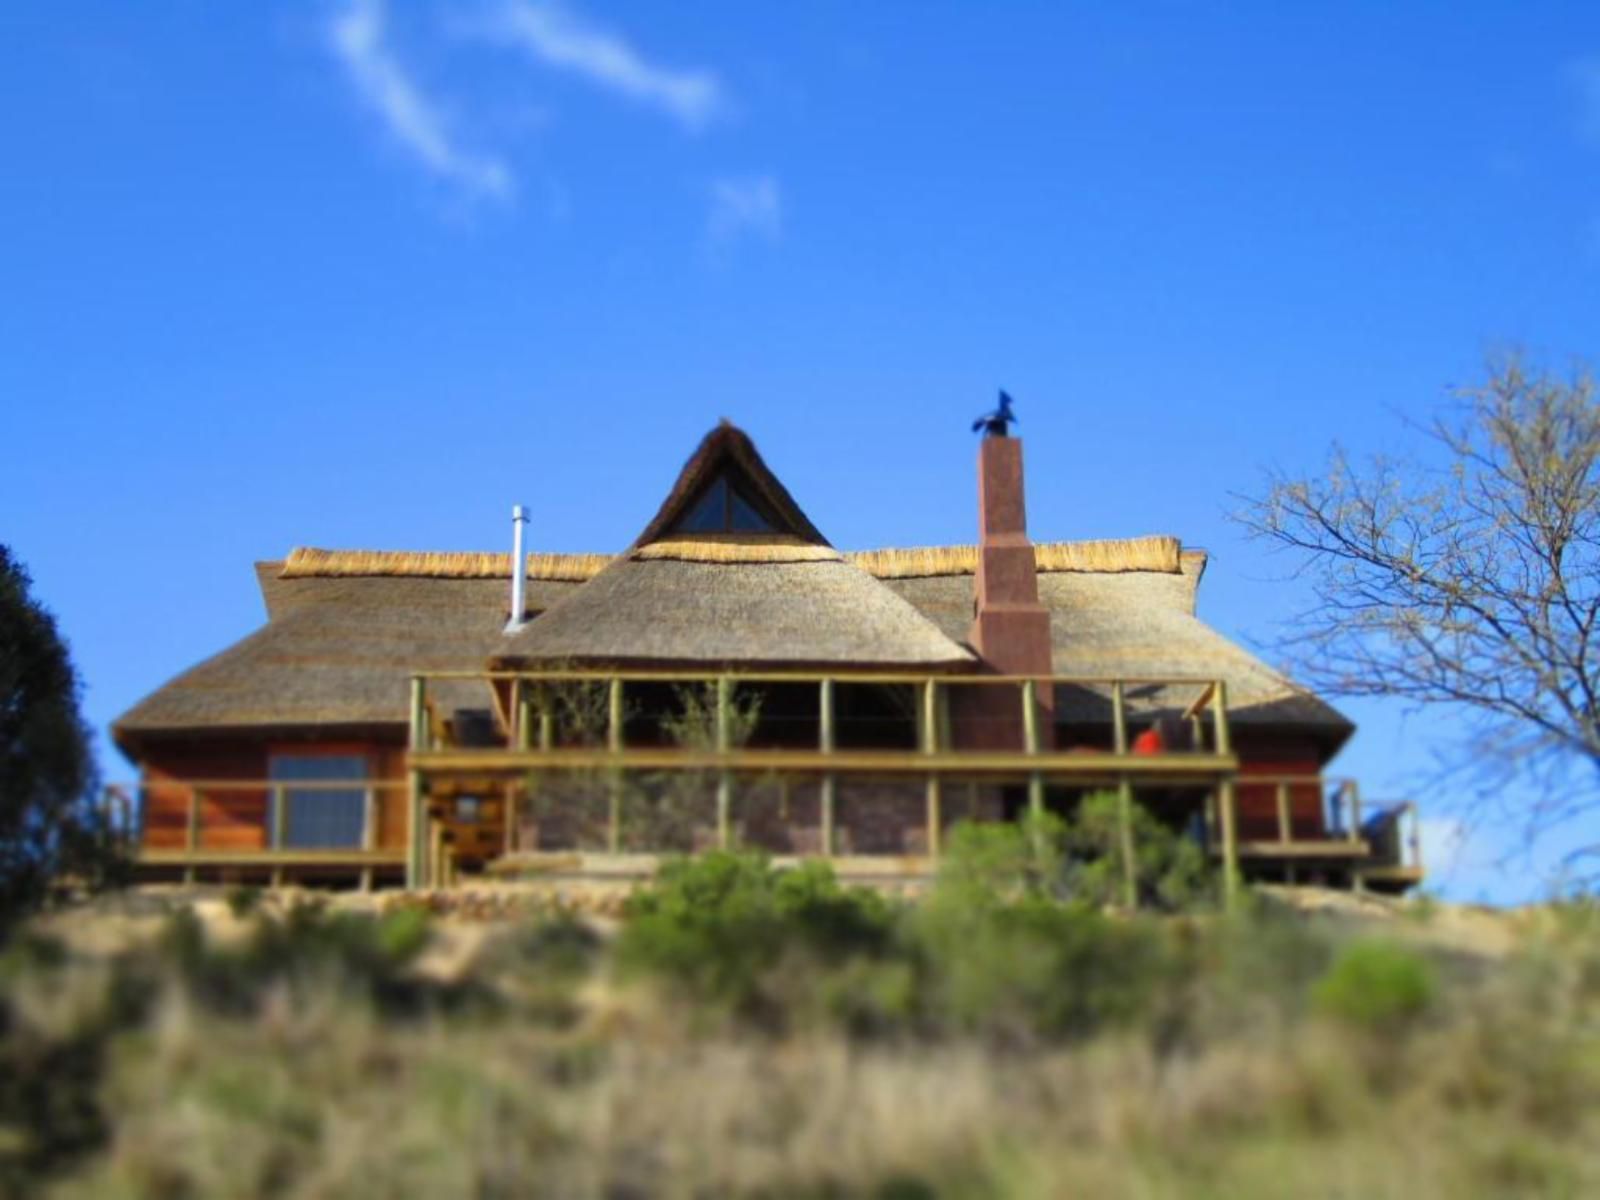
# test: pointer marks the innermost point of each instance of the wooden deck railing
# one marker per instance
(937, 752)
(238, 838)
(525, 712)
(1376, 839)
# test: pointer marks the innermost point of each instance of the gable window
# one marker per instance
(319, 817)
(723, 508)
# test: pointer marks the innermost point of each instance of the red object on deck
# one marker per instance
(1149, 742)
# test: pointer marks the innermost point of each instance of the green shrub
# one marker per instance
(719, 924)
(1081, 859)
(1034, 967)
(1376, 985)
(987, 862)
(1170, 869)
(243, 900)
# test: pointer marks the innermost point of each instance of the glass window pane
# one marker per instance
(745, 519)
(710, 514)
(320, 818)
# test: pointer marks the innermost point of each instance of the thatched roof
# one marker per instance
(1156, 553)
(306, 562)
(729, 448)
(783, 597)
(337, 652)
(346, 628)
(667, 610)
(1142, 623)
(339, 645)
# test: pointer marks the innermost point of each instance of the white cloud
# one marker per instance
(559, 39)
(747, 205)
(358, 34)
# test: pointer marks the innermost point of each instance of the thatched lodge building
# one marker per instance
(732, 678)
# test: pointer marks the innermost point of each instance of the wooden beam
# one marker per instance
(929, 740)
(416, 790)
(1219, 716)
(280, 823)
(547, 721)
(523, 707)
(256, 858)
(724, 741)
(1125, 847)
(1086, 768)
(1230, 844)
(614, 744)
(1319, 848)
(1030, 745)
(1285, 822)
(826, 751)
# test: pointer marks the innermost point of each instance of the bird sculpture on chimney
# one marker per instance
(994, 423)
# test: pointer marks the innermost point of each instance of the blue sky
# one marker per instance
(363, 275)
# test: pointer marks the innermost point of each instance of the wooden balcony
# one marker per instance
(1315, 828)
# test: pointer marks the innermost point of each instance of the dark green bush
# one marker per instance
(990, 952)
(1171, 870)
(1376, 985)
(719, 925)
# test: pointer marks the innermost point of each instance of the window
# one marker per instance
(321, 817)
(723, 508)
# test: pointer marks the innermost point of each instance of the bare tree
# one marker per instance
(1469, 578)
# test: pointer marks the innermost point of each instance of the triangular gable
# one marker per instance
(727, 487)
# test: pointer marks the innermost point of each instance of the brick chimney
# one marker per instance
(1010, 628)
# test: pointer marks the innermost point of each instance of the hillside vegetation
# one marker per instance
(746, 1032)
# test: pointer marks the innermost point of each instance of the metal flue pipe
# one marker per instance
(519, 568)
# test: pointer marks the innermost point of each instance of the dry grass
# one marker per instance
(532, 1080)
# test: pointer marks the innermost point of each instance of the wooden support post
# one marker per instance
(369, 819)
(614, 719)
(1219, 716)
(929, 722)
(825, 744)
(1285, 821)
(1416, 834)
(1358, 877)
(724, 741)
(523, 707)
(280, 816)
(416, 792)
(1128, 852)
(1030, 745)
(191, 833)
(1228, 818)
(447, 859)
(547, 721)
(436, 852)
(1130, 858)
(1227, 815)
